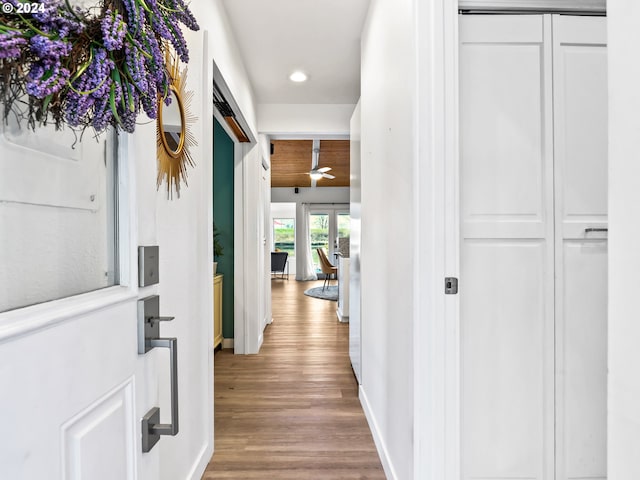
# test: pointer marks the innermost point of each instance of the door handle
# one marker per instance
(152, 429)
(595, 229)
(149, 338)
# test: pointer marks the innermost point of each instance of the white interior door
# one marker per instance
(580, 131)
(533, 176)
(506, 277)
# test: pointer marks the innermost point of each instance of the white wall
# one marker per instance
(624, 231)
(251, 305)
(185, 237)
(226, 54)
(388, 152)
(355, 239)
(304, 119)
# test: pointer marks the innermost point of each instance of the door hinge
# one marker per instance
(450, 285)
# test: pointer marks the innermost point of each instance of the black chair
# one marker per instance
(279, 263)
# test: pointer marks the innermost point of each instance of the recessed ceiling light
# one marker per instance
(298, 77)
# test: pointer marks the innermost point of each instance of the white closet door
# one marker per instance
(580, 130)
(506, 278)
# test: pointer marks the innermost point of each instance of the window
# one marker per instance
(57, 214)
(344, 231)
(284, 236)
(319, 232)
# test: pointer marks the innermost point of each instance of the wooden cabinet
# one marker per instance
(217, 310)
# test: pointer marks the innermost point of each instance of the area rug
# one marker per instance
(329, 293)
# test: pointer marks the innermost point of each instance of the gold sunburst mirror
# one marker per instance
(173, 132)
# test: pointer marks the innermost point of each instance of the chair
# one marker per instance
(326, 267)
(279, 263)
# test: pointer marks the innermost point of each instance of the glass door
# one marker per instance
(343, 221)
(319, 232)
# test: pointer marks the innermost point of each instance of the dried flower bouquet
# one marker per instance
(88, 67)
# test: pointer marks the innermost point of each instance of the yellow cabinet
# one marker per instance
(217, 310)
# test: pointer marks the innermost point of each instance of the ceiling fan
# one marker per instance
(317, 172)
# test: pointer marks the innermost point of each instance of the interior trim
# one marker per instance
(226, 105)
(575, 7)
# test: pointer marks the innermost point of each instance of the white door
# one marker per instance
(74, 387)
(580, 132)
(506, 277)
(530, 408)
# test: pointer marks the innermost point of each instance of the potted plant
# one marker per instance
(217, 247)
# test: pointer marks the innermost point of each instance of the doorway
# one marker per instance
(329, 228)
(283, 233)
(533, 246)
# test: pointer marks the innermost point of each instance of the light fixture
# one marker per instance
(298, 77)
(315, 175)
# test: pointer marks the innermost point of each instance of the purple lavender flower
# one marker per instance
(134, 15)
(113, 30)
(183, 14)
(10, 43)
(89, 90)
(46, 78)
(58, 20)
(102, 114)
(150, 100)
(77, 107)
(128, 107)
(44, 47)
(155, 65)
(166, 26)
(136, 66)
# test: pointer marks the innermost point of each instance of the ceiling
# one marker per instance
(319, 37)
(292, 159)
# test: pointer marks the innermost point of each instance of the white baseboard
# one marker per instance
(227, 343)
(204, 457)
(377, 437)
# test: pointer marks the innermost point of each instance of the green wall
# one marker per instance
(223, 218)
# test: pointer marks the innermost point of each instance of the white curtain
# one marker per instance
(305, 270)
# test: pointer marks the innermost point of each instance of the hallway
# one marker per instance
(292, 412)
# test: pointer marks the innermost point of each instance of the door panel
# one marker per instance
(506, 292)
(70, 397)
(502, 132)
(580, 150)
(504, 371)
(99, 442)
(581, 361)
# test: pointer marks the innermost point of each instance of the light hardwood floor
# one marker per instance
(292, 412)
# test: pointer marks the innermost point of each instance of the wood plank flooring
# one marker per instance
(292, 412)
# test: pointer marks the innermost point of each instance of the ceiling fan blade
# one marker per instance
(324, 169)
(326, 175)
